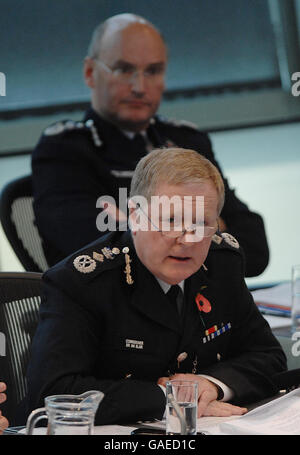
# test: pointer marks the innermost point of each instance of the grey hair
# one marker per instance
(174, 166)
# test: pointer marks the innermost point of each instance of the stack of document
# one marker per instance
(278, 417)
(275, 300)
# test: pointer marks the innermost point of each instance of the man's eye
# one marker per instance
(124, 69)
(154, 70)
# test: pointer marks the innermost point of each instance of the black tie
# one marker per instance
(138, 148)
(175, 296)
(139, 140)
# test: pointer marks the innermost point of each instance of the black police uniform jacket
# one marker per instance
(75, 163)
(97, 332)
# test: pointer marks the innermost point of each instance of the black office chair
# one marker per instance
(18, 222)
(20, 295)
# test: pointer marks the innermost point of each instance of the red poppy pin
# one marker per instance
(202, 303)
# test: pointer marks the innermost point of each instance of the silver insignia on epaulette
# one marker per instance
(98, 256)
(217, 239)
(60, 127)
(70, 125)
(90, 124)
(108, 253)
(232, 241)
(84, 264)
(127, 270)
(52, 130)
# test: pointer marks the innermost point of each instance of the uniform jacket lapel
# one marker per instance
(149, 298)
(195, 322)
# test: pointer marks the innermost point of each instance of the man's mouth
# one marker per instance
(137, 103)
(180, 258)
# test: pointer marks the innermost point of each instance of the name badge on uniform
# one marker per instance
(135, 344)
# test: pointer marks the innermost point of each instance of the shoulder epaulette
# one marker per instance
(179, 123)
(63, 126)
(92, 262)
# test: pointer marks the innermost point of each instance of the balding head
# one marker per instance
(125, 70)
(114, 25)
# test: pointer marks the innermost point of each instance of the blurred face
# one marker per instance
(175, 259)
(127, 77)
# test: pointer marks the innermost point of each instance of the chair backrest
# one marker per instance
(20, 295)
(18, 222)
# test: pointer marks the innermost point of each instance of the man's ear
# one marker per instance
(88, 71)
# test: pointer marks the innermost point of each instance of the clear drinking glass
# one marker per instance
(181, 407)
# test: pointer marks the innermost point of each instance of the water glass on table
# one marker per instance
(181, 408)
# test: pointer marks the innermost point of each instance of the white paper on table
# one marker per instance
(113, 430)
(279, 295)
(278, 417)
(209, 425)
(98, 430)
(36, 431)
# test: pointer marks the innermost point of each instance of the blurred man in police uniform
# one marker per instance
(163, 300)
(75, 163)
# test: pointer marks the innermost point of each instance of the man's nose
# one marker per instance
(138, 82)
(187, 238)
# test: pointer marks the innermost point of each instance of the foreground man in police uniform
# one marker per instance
(77, 162)
(108, 321)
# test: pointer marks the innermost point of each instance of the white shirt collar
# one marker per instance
(131, 134)
(166, 286)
